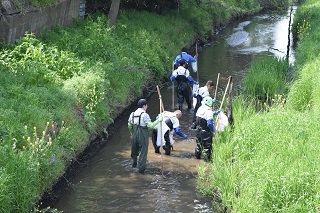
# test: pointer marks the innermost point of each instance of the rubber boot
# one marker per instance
(207, 148)
(168, 151)
(197, 153)
(134, 163)
(157, 150)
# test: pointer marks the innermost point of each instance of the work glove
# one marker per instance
(216, 112)
(185, 137)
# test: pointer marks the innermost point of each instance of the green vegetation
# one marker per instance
(268, 161)
(266, 78)
(60, 90)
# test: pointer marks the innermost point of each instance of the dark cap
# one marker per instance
(142, 102)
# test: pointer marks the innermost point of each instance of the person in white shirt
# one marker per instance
(138, 123)
(205, 129)
(170, 126)
(200, 94)
(183, 77)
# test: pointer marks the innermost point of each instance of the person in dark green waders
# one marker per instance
(138, 123)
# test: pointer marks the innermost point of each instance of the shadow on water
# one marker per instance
(109, 184)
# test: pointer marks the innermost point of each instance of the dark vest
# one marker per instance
(169, 123)
(201, 122)
(182, 78)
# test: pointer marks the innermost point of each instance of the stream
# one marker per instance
(109, 184)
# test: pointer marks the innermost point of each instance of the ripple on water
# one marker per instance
(237, 38)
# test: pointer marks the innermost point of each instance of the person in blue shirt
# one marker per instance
(184, 55)
(205, 129)
(183, 78)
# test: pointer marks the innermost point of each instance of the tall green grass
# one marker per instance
(26, 147)
(266, 77)
(269, 161)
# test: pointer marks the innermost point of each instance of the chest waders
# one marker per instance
(183, 91)
(139, 144)
(204, 139)
(198, 104)
(167, 146)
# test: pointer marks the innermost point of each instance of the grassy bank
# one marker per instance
(62, 89)
(269, 161)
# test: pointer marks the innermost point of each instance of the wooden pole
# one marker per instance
(172, 88)
(229, 104)
(161, 110)
(197, 62)
(215, 92)
(224, 96)
(161, 104)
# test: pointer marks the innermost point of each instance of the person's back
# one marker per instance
(205, 129)
(183, 77)
(184, 55)
(163, 135)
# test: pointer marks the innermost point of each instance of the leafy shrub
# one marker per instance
(39, 63)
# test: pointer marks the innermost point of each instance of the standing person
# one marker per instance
(171, 120)
(200, 94)
(184, 55)
(183, 77)
(205, 129)
(138, 123)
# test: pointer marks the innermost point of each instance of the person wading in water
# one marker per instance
(205, 129)
(183, 77)
(171, 120)
(200, 94)
(138, 123)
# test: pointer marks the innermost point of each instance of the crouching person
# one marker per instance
(138, 123)
(167, 129)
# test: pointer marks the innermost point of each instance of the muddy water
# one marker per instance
(109, 184)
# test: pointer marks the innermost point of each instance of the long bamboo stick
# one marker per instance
(160, 125)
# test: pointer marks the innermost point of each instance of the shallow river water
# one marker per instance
(109, 184)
